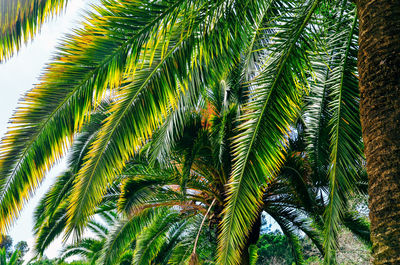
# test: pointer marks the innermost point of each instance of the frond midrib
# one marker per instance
(282, 62)
(144, 84)
(69, 96)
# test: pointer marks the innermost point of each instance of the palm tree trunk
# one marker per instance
(379, 70)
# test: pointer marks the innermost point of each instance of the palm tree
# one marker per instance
(177, 49)
(192, 164)
(147, 54)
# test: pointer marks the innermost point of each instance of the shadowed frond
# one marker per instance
(150, 241)
(289, 231)
(346, 149)
(359, 226)
(124, 232)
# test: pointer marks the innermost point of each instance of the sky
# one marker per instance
(17, 76)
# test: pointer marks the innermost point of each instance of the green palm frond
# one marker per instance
(253, 254)
(165, 138)
(124, 232)
(142, 104)
(100, 230)
(206, 249)
(258, 149)
(86, 247)
(3, 256)
(142, 186)
(87, 64)
(50, 228)
(346, 150)
(20, 20)
(50, 217)
(150, 241)
(174, 236)
(13, 260)
(52, 200)
(293, 238)
(130, 123)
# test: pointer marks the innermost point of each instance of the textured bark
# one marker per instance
(379, 70)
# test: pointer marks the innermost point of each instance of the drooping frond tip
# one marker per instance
(20, 20)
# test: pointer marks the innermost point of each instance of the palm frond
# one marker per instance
(253, 254)
(346, 153)
(20, 20)
(50, 228)
(165, 138)
(289, 231)
(14, 259)
(359, 226)
(86, 65)
(141, 187)
(181, 254)
(88, 248)
(98, 229)
(141, 105)
(150, 241)
(259, 147)
(124, 232)
(173, 238)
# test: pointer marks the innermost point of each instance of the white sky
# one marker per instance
(18, 75)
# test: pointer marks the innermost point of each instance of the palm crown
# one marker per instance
(154, 59)
(185, 167)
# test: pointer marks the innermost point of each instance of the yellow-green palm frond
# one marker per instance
(273, 106)
(129, 125)
(20, 20)
(87, 64)
(50, 216)
(165, 70)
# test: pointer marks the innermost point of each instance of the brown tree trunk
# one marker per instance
(379, 70)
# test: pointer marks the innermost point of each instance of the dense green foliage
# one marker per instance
(274, 246)
(46, 261)
(187, 119)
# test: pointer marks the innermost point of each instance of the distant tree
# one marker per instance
(23, 248)
(274, 248)
(6, 244)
